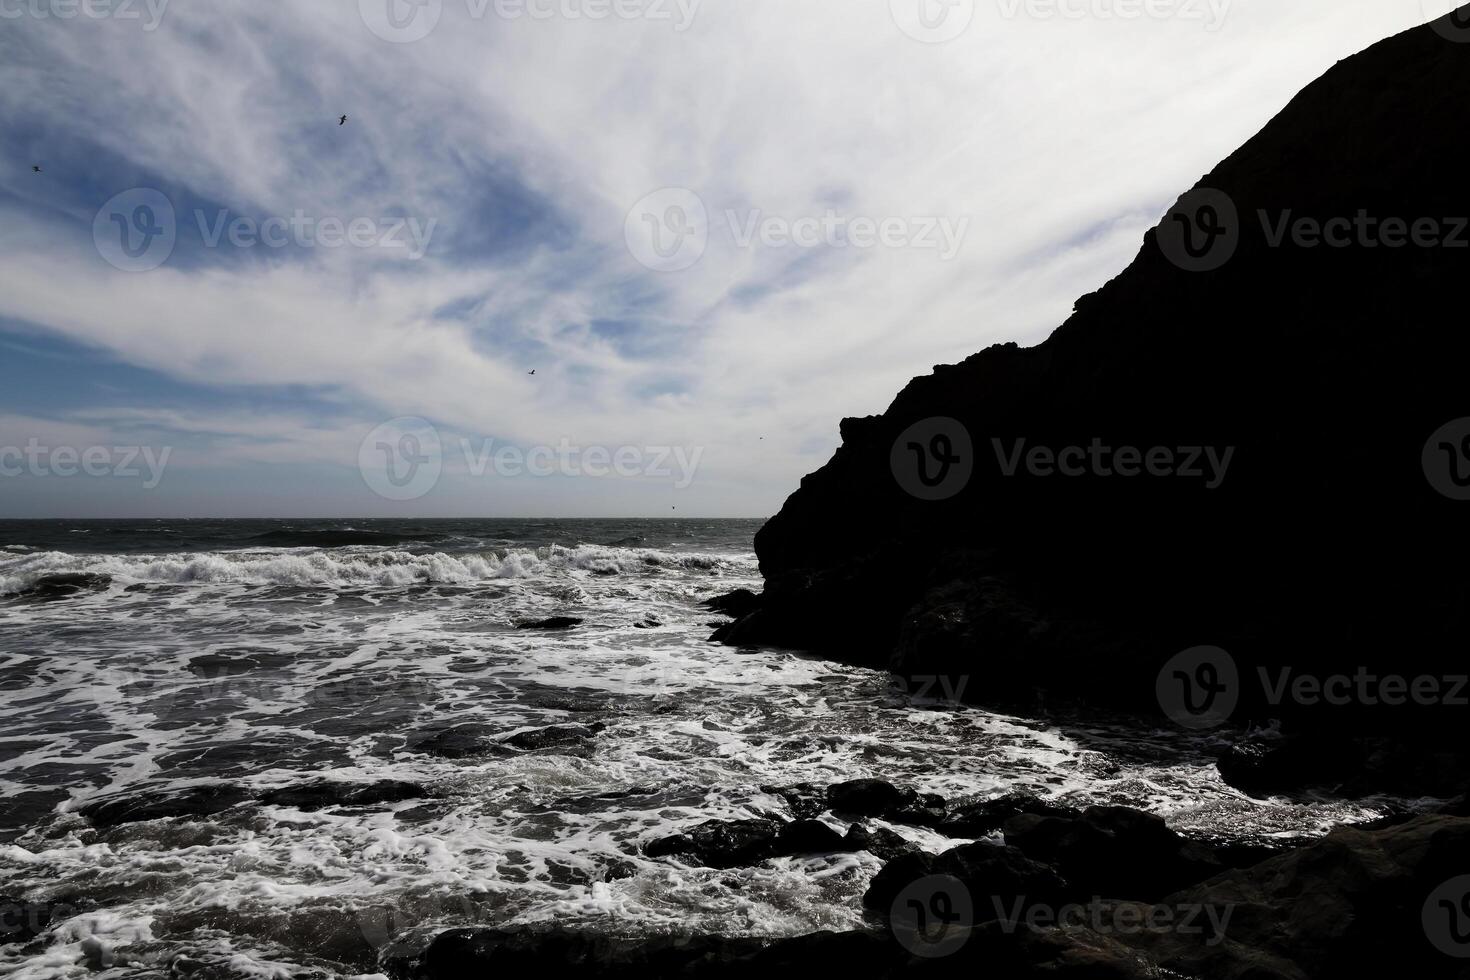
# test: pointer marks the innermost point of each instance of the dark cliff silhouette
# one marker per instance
(1333, 541)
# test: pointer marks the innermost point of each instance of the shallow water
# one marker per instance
(265, 654)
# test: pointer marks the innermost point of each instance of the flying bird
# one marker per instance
(532, 374)
(343, 121)
(35, 170)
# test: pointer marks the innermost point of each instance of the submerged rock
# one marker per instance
(22, 920)
(459, 742)
(555, 624)
(327, 793)
(557, 736)
(162, 804)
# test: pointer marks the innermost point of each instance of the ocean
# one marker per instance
(233, 660)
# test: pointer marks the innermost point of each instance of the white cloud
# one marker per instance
(1059, 140)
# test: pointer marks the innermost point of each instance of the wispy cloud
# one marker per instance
(526, 141)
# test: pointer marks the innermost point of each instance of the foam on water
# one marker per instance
(264, 668)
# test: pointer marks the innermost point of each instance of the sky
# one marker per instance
(713, 228)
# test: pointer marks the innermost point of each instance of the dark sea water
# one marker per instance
(254, 655)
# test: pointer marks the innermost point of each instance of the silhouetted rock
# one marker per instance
(1113, 852)
(139, 805)
(809, 837)
(1330, 542)
(1356, 903)
(996, 876)
(741, 602)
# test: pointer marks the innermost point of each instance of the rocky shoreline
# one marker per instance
(1105, 892)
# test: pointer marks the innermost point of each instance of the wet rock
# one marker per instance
(737, 604)
(997, 878)
(867, 797)
(1355, 903)
(54, 588)
(135, 807)
(1113, 852)
(459, 742)
(804, 800)
(225, 663)
(554, 624)
(461, 953)
(809, 837)
(647, 624)
(22, 920)
(557, 736)
(984, 818)
(327, 793)
(878, 841)
(722, 843)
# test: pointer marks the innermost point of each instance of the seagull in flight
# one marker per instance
(532, 374)
(343, 121)
(36, 169)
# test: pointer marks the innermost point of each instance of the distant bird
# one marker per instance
(343, 121)
(532, 374)
(35, 170)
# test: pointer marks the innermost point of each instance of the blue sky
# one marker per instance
(479, 217)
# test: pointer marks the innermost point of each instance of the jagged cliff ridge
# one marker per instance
(1324, 535)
